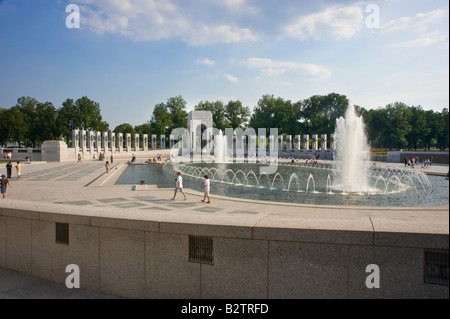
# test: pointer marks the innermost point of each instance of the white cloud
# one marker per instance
(206, 61)
(274, 68)
(143, 20)
(231, 78)
(334, 22)
(426, 40)
(419, 23)
(238, 7)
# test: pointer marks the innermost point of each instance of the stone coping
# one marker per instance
(399, 227)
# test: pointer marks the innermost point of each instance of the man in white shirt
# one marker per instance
(179, 186)
(206, 187)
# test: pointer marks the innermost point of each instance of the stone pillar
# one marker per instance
(272, 144)
(145, 142)
(91, 142)
(162, 144)
(83, 142)
(136, 143)
(98, 142)
(324, 142)
(251, 150)
(315, 142)
(128, 142)
(105, 142)
(280, 143)
(171, 141)
(305, 143)
(120, 142)
(112, 138)
(289, 143)
(332, 143)
(297, 143)
(262, 150)
(240, 149)
(75, 141)
(154, 141)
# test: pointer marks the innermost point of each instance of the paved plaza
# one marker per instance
(74, 184)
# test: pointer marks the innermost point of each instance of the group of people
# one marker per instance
(206, 188)
(7, 155)
(415, 161)
(4, 181)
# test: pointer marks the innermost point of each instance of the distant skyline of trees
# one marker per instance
(395, 126)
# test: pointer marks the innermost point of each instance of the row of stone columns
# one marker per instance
(97, 142)
(298, 144)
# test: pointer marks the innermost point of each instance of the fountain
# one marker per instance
(352, 153)
(349, 180)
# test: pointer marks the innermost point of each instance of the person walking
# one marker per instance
(19, 169)
(206, 188)
(107, 166)
(112, 159)
(179, 186)
(4, 182)
(9, 169)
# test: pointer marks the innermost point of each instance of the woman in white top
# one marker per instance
(179, 186)
(206, 187)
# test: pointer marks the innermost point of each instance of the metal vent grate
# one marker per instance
(62, 233)
(201, 249)
(436, 266)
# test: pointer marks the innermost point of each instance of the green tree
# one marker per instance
(419, 127)
(220, 120)
(89, 115)
(124, 128)
(44, 124)
(67, 120)
(160, 122)
(26, 106)
(272, 112)
(443, 139)
(318, 113)
(237, 114)
(398, 117)
(14, 127)
(142, 129)
(176, 108)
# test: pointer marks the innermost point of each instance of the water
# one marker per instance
(349, 181)
(287, 187)
(352, 154)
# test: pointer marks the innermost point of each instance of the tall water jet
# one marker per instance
(352, 153)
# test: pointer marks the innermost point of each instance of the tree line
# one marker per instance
(397, 125)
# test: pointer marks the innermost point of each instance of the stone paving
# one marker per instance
(73, 183)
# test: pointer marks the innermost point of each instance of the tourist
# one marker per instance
(112, 159)
(9, 169)
(107, 166)
(4, 184)
(179, 186)
(19, 169)
(79, 158)
(206, 188)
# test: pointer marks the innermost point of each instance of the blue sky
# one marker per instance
(130, 55)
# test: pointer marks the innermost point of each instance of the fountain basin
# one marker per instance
(313, 184)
